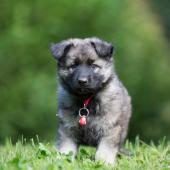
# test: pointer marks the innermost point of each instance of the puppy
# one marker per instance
(94, 107)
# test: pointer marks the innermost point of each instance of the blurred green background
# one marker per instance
(140, 31)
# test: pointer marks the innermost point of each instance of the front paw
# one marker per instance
(68, 151)
(67, 147)
(106, 157)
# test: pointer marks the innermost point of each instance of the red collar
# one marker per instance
(87, 101)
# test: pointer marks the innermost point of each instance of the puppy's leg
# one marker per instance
(66, 144)
(109, 147)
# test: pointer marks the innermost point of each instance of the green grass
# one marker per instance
(43, 156)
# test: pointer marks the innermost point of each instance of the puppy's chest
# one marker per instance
(92, 118)
(89, 134)
(93, 130)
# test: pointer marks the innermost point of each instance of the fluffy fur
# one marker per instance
(85, 68)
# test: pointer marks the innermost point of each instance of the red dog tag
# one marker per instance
(82, 120)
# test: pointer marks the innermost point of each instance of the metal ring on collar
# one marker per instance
(85, 110)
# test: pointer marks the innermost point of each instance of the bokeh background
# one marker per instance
(140, 31)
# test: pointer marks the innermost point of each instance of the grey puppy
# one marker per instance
(94, 107)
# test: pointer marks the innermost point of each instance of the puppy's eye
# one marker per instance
(95, 66)
(72, 67)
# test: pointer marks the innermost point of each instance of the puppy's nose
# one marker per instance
(82, 81)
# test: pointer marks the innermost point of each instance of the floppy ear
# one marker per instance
(60, 49)
(102, 48)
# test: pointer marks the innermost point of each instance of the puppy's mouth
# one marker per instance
(84, 90)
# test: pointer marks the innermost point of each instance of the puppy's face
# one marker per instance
(84, 66)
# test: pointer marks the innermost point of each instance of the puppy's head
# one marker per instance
(84, 65)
